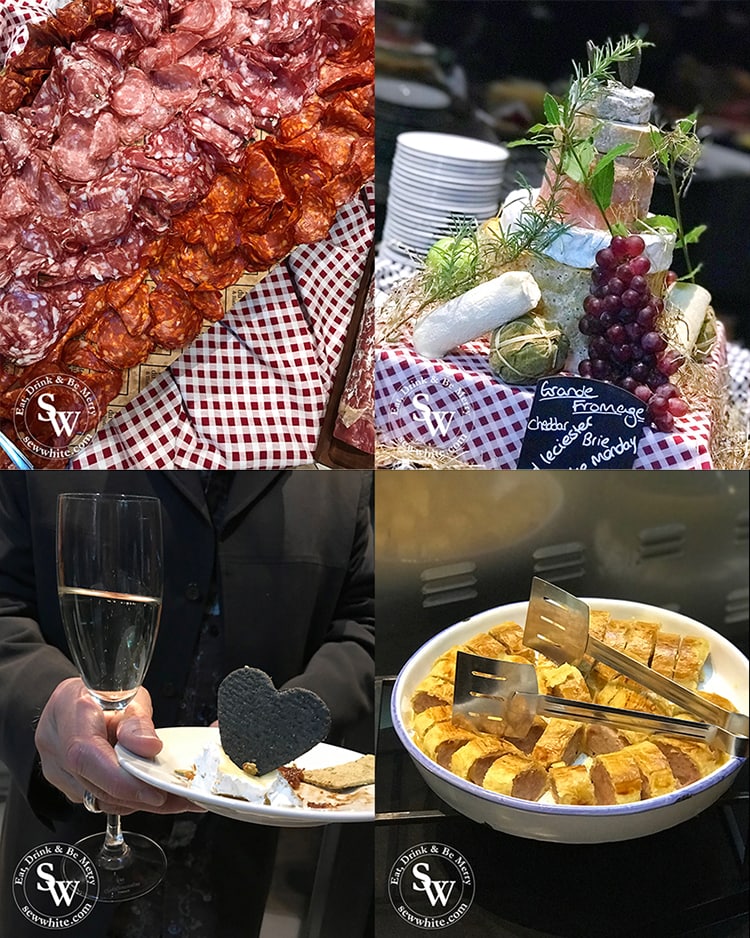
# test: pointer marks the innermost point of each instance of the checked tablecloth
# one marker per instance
(251, 392)
(489, 417)
(15, 16)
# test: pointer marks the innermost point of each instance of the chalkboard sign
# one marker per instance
(578, 423)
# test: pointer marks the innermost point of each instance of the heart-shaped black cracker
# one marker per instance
(266, 727)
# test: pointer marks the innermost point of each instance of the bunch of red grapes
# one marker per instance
(625, 347)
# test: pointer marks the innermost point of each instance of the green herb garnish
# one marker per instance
(678, 151)
(572, 152)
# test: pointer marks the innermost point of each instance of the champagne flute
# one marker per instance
(109, 580)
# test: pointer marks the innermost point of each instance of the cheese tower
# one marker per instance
(613, 116)
(610, 115)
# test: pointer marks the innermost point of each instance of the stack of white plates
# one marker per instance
(436, 181)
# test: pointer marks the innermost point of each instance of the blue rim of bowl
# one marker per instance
(730, 767)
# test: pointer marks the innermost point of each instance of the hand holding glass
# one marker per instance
(110, 578)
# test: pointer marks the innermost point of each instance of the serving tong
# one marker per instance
(557, 624)
(502, 697)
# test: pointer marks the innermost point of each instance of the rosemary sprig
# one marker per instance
(600, 70)
(466, 259)
(536, 228)
(572, 152)
(453, 264)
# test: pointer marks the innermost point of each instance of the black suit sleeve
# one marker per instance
(30, 669)
(342, 670)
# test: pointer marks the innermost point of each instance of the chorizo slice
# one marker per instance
(118, 292)
(228, 191)
(261, 177)
(209, 303)
(114, 344)
(136, 311)
(176, 320)
(318, 213)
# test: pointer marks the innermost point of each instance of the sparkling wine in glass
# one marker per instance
(109, 580)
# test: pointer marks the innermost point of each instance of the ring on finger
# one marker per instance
(91, 803)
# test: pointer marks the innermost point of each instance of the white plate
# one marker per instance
(427, 175)
(436, 199)
(726, 674)
(436, 196)
(453, 173)
(481, 172)
(183, 745)
(463, 185)
(452, 147)
(411, 218)
(410, 94)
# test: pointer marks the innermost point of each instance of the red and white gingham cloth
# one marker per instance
(489, 417)
(252, 391)
(15, 16)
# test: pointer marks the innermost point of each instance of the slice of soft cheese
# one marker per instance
(685, 308)
(216, 774)
(476, 312)
(577, 246)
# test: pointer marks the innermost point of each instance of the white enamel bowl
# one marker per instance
(726, 673)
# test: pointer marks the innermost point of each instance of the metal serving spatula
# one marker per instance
(501, 697)
(557, 624)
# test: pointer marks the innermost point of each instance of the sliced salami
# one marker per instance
(138, 121)
(103, 210)
(28, 324)
(167, 50)
(134, 95)
(71, 152)
(117, 45)
(233, 115)
(207, 18)
(86, 85)
(15, 201)
(105, 138)
(17, 140)
(289, 21)
(176, 86)
(197, 16)
(147, 16)
(206, 129)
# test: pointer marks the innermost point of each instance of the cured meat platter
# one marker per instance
(158, 157)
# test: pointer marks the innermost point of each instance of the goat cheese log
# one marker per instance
(475, 313)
